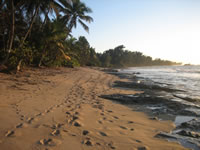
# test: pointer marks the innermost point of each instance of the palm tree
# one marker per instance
(54, 34)
(11, 8)
(38, 7)
(74, 12)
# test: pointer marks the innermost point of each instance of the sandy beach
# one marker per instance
(61, 109)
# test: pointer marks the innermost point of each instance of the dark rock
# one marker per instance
(165, 135)
(144, 86)
(189, 133)
(192, 125)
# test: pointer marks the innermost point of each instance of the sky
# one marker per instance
(166, 29)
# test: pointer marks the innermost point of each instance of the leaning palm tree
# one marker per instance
(54, 35)
(76, 11)
(36, 8)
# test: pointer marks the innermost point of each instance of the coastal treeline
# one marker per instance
(119, 57)
(39, 33)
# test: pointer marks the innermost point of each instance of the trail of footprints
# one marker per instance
(75, 98)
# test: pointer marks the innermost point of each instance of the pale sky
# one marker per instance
(166, 29)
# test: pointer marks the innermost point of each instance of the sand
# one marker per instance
(60, 109)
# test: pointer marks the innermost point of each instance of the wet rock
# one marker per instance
(143, 85)
(192, 125)
(165, 135)
(189, 134)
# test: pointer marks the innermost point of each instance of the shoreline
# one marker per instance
(162, 103)
(63, 109)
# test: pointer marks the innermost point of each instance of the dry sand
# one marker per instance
(61, 109)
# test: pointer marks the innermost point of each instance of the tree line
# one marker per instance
(119, 57)
(38, 33)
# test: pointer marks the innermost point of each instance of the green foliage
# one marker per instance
(72, 63)
(24, 53)
(118, 57)
(29, 37)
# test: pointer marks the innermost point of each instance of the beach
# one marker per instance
(63, 108)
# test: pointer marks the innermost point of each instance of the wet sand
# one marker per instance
(61, 109)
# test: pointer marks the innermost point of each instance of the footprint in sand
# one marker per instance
(122, 127)
(85, 132)
(100, 122)
(68, 113)
(104, 118)
(49, 142)
(9, 133)
(39, 114)
(47, 111)
(29, 120)
(76, 113)
(102, 133)
(102, 114)
(55, 132)
(110, 111)
(115, 117)
(130, 122)
(22, 117)
(111, 145)
(138, 141)
(143, 148)
(87, 142)
(19, 125)
(77, 124)
(57, 126)
(45, 141)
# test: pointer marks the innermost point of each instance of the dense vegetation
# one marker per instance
(38, 33)
(118, 57)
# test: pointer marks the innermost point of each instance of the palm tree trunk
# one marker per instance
(45, 19)
(19, 65)
(12, 32)
(42, 57)
(30, 27)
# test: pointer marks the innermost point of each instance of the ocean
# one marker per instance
(186, 78)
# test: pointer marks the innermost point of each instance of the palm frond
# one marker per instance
(86, 28)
